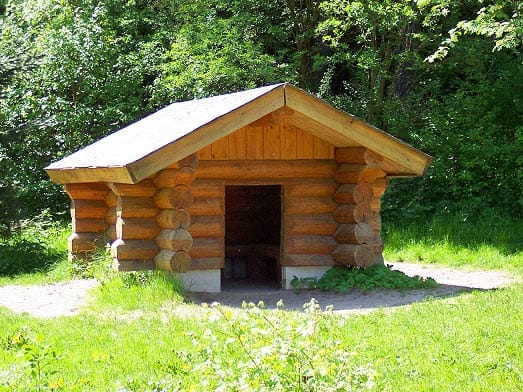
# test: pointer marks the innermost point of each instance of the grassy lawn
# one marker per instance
(137, 335)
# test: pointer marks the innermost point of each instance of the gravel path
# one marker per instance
(67, 298)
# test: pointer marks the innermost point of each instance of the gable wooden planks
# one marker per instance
(268, 142)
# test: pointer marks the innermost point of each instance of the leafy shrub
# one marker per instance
(342, 279)
(258, 350)
(34, 247)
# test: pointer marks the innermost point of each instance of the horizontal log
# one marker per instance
(136, 207)
(323, 224)
(378, 245)
(134, 249)
(353, 193)
(133, 265)
(145, 188)
(172, 261)
(207, 263)
(208, 206)
(174, 240)
(359, 233)
(207, 188)
(137, 228)
(355, 255)
(207, 226)
(307, 260)
(267, 169)
(189, 161)
(84, 209)
(179, 196)
(110, 233)
(309, 244)
(309, 205)
(207, 247)
(375, 205)
(111, 200)
(110, 216)
(169, 178)
(354, 174)
(374, 220)
(84, 242)
(311, 187)
(87, 191)
(97, 225)
(379, 186)
(359, 155)
(173, 219)
(347, 213)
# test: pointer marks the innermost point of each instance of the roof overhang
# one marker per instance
(180, 129)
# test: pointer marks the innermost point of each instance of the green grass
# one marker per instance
(470, 343)
(493, 244)
(136, 335)
(36, 253)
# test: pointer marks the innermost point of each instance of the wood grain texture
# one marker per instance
(172, 261)
(136, 207)
(207, 248)
(204, 263)
(136, 228)
(353, 193)
(309, 205)
(213, 206)
(134, 249)
(145, 188)
(359, 233)
(89, 225)
(355, 174)
(169, 178)
(355, 255)
(296, 260)
(359, 155)
(322, 187)
(179, 196)
(85, 209)
(174, 240)
(266, 169)
(173, 219)
(323, 224)
(207, 226)
(87, 191)
(309, 244)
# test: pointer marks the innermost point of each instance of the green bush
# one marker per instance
(342, 279)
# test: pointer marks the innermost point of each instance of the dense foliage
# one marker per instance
(73, 71)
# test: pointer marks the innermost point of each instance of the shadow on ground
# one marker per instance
(452, 282)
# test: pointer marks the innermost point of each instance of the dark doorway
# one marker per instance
(252, 236)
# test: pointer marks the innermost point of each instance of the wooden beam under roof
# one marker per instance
(343, 130)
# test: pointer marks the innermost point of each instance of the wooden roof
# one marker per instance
(182, 128)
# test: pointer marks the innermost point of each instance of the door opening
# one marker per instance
(252, 236)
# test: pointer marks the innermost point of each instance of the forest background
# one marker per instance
(443, 75)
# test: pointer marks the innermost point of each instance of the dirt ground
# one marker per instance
(68, 298)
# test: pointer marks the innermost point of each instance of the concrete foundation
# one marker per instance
(208, 281)
(288, 273)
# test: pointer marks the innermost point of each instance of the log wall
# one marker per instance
(307, 208)
(362, 182)
(173, 198)
(88, 211)
(134, 227)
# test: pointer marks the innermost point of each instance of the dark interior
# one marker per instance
(252, 236)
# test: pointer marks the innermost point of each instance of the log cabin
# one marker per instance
(265, 184)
